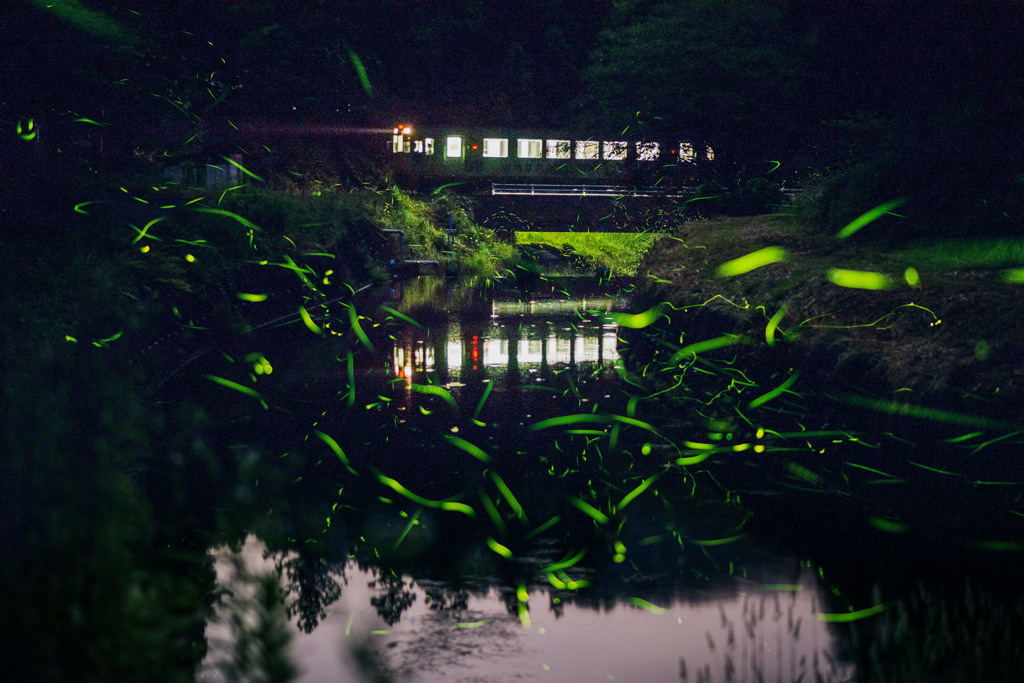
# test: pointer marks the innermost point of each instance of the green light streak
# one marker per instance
(333, 445)
(498, 548)
(842, 618)
(402, 316)
(868, 217)
(888, 525)
(507, 494)
(564, 564)
(589, 510)
(777, 391)
(718, 541)
(313, 327)
(223, 212)
(858, 279)
(474, 624)
(638, 320)
(358, 329)
(252, 297)
(644, 485)
(248, 391)
(773, 325)
(752, 261)
(472, 449)
(434, 390)
(145, 228)
(649, 606)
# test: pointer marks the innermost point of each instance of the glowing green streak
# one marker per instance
(868, 217)
(650, 607)
(506, 492)
(564, 564)
(911, 410)
(752, 261)
(492, 512)
(707, 345)
(147, 226)
(911, 276)
(333, 445)
(638, 320)
(544, 527)
(483, 399)
(474, 624)
(1000, 546)
(313, 327)
(887, 525)
(589, 509)
(628, 498)
(357, 64)
(237, 165)
(248, 391)
(408, 528)
(79, 209)
(252, 297)
(498, 548)
(222, 212)
(354, 321)
(773, 324)
(436, 504)
(719, 541)
(1013, 276)
(777, 391)
(402, 316)
(858, 279)
(870, 469)
(351, 400)
(434, 390)
(472, 449)
(842, 618)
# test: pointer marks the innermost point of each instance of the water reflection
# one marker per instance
(404, 628)
(430, 530)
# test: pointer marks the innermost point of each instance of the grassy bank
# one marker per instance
(619, 252)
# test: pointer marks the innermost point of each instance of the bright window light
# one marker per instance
(647, 151)
(418, 147)
(558, 149)
(530, 149)
(495, 147)
(588, 149)
(429, 145)
(686, 152)
(453, 147)
(614, 151)
(711, 154)
(397, 144)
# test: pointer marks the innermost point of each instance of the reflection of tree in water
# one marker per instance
(395, 598)
(311, 578)
(453, 600)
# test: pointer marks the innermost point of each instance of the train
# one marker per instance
(431, 153)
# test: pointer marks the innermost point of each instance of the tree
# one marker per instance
(725, 72)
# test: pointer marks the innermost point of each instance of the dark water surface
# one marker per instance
(438, 481)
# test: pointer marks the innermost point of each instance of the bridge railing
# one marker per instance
(587, 190)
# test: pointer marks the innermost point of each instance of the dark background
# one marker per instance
(866, 101)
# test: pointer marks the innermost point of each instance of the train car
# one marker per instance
(430, 153)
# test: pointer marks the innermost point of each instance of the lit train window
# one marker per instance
(529, 149)
(647, 151)
(588, 149)
(453, 147)
(614, 151)
(711, 154)
(428, 145)
(418, 147)
(558, 149)
(397, 145)
(686, 152)
(495, 147)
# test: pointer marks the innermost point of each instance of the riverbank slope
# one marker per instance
(940, 336)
